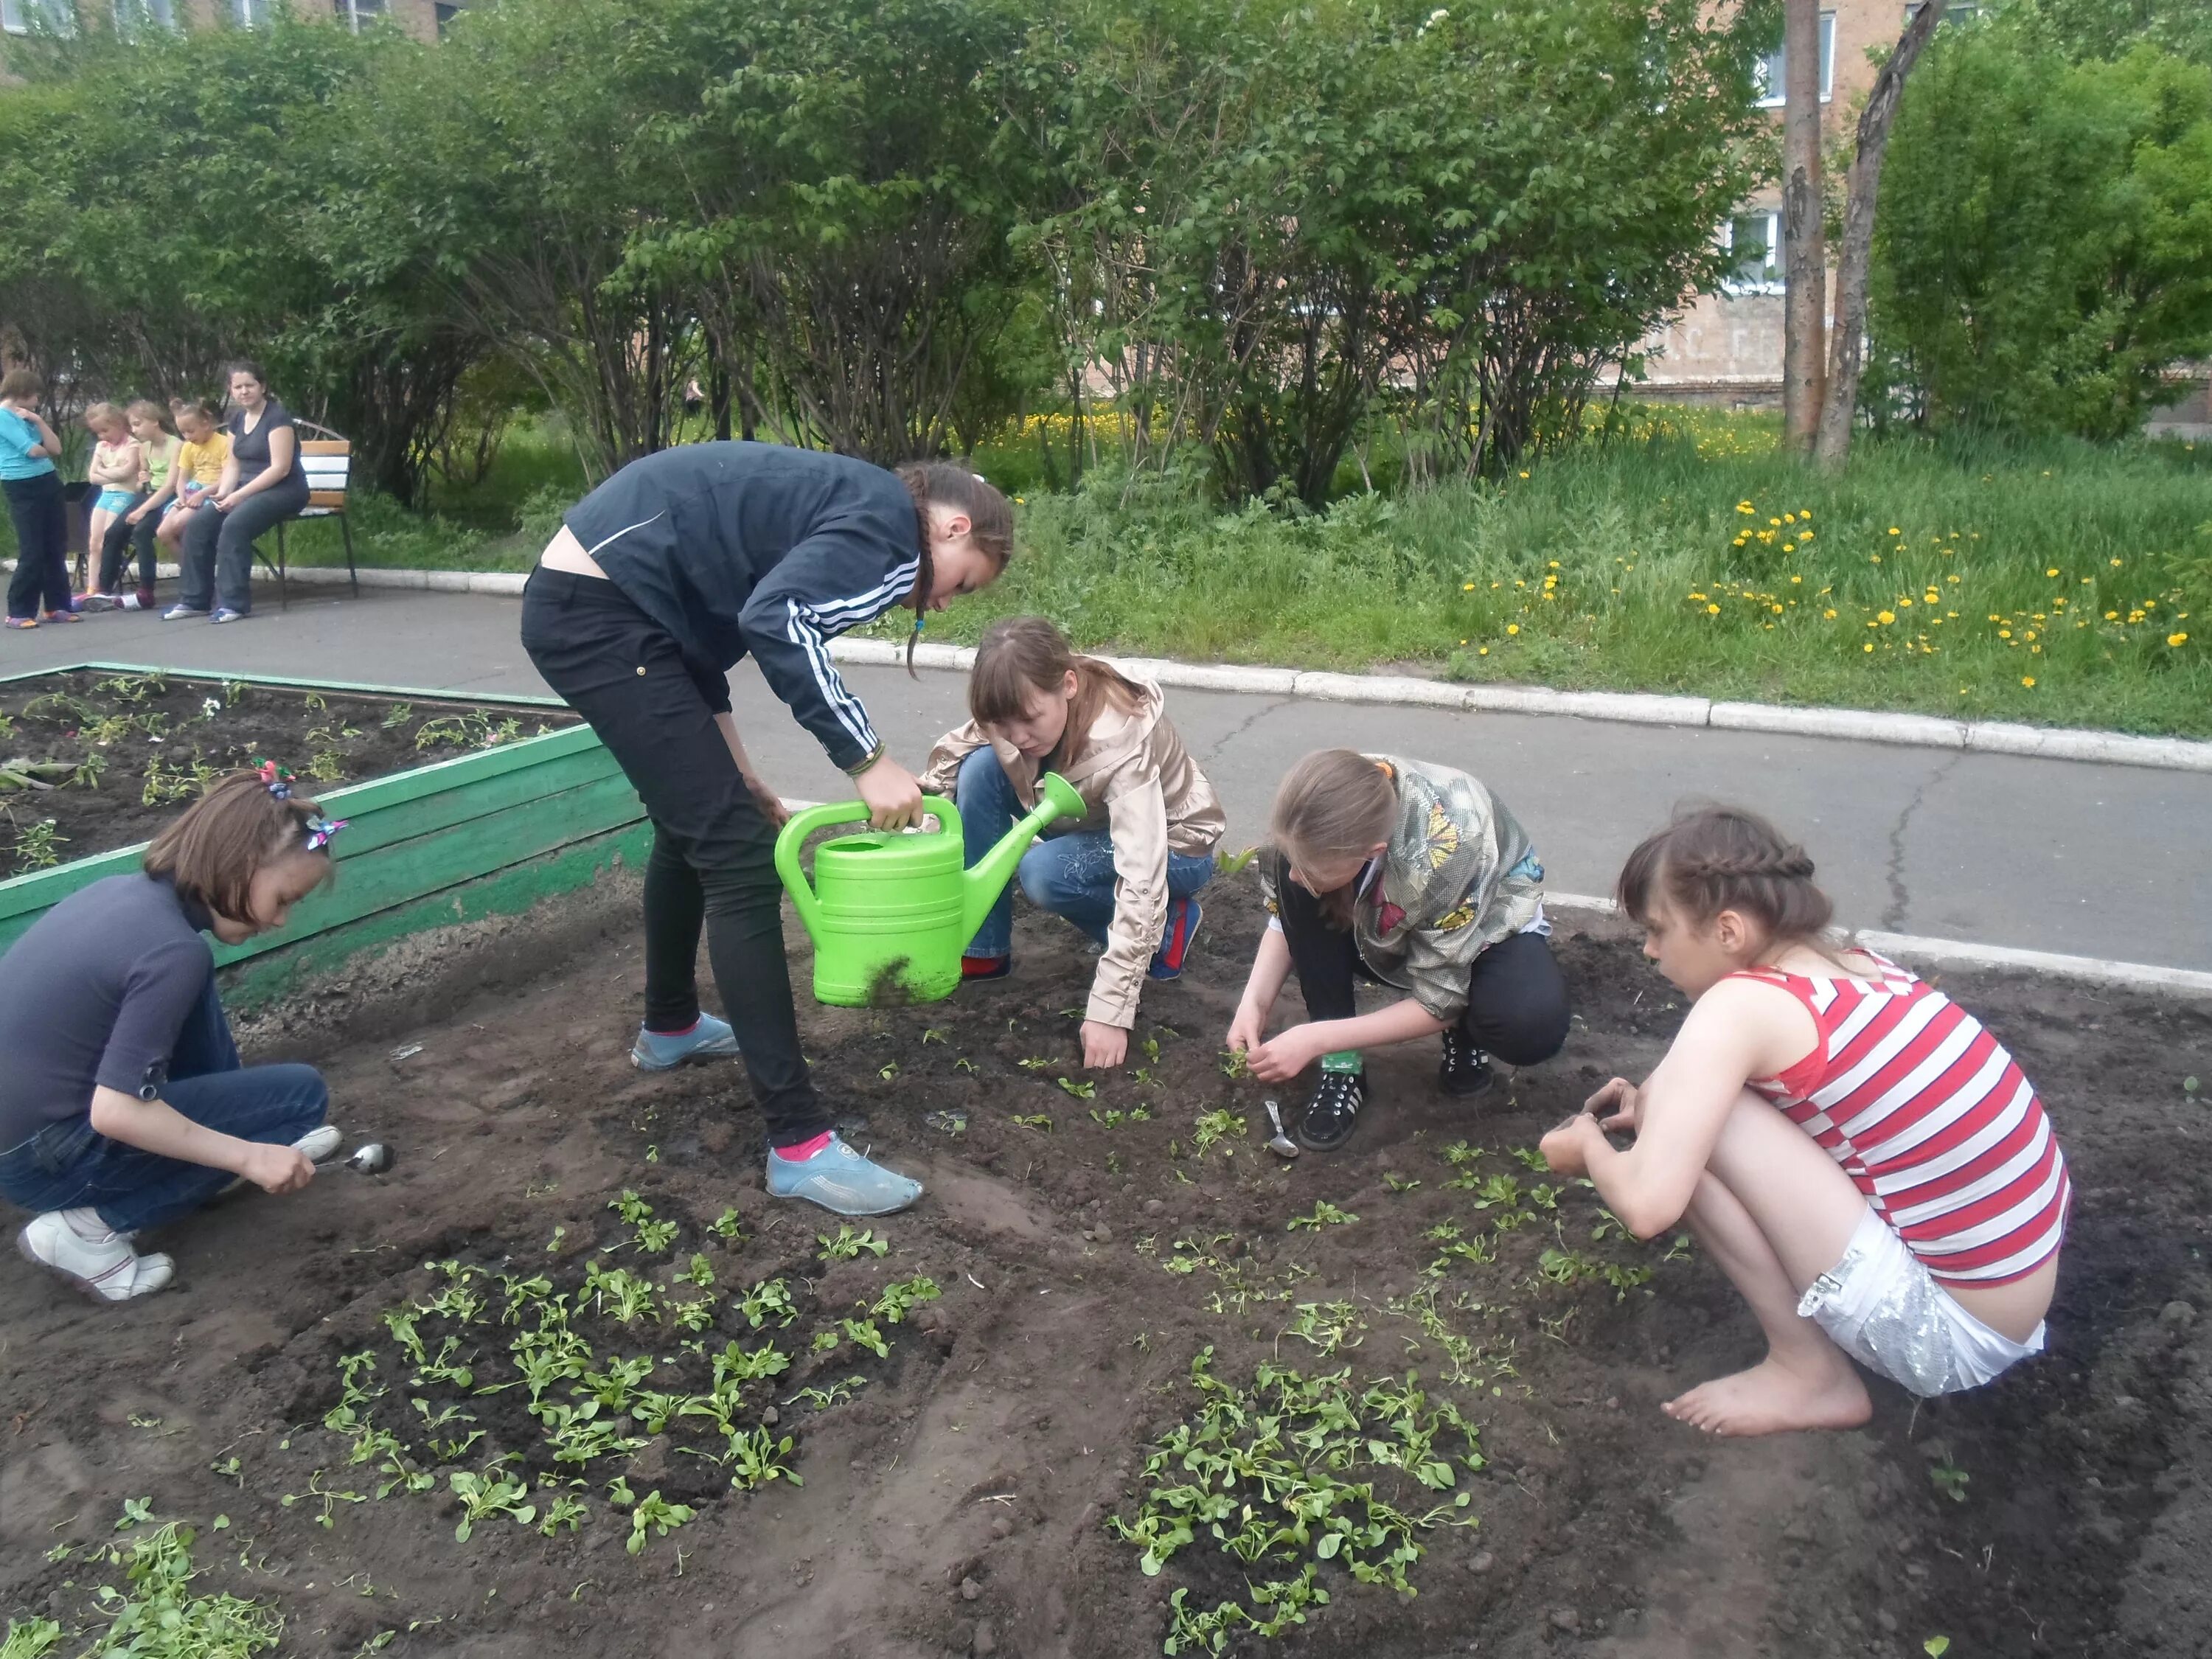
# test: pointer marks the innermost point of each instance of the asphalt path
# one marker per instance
(2087, 860)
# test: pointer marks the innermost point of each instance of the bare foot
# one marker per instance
(1772, 1398)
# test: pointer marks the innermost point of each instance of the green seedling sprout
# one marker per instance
(848, 1244)
(1084, 1090)
(1324, 1214)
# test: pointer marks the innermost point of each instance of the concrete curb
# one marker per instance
(2004, 958)
(1631, 708)
(1636, 708)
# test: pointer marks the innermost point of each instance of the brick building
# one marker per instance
(423, 19)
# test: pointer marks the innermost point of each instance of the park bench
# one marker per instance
(328, 458)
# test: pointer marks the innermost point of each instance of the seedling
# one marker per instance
(725, 1225)
(394, 717)
(89, 770)
(1398, 1183)
(901, 1298)
(563, 1510)
(755, 1459)
(35, 847)
(848, 1244)
(1949, 1480)
(488, 1494)
(1325, 1214)
(834, 1394)
(1034, 1064)
(769, 1300)
(1219, 1126)
(656, 1515)
(889, 1070)
(158, 1617)
(1041, 1121)
(698, 1272)
(1084, 1090)
(1235, 1063)
(1226, 863)
(863, 1333)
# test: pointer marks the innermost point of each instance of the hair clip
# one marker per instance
(918, 620)
(275, 779)
(319, 831)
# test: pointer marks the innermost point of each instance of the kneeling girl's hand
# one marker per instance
(276, 1169)
(1103, 1045)
(1249, 1029)
(1616, 1104)
(1283, 1058)
(1566, 1149)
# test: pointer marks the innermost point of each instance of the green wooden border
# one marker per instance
(475, 834)
(360, 688)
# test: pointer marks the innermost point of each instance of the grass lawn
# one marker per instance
(2055, 583)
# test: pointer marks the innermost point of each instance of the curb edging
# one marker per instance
(2006, 958)
(1631, 708)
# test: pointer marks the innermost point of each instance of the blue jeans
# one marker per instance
(70, 1164)
(1070, 875)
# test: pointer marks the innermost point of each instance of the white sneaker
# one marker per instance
(319, 1144)
(106, 1267)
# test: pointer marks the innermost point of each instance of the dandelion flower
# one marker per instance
(1513, 628)
(1797, 579)
(1483, 652)
(2051, 572)
(1466, 588)
(1525, 475)
(2116, 564)
(1829, 615)
(1894, 531)
(1885, 617)
(1713, 610)
(2028, 680)
(1875, 557)
(2177, 640)
(1867, 647)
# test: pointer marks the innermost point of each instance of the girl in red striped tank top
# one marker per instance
(1861, 1157)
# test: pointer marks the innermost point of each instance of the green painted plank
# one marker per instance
(392, 875)
(469, 796)
(560, 756)
(506, 892)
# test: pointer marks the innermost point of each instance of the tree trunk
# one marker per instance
(1804, 354)
(1840, 407)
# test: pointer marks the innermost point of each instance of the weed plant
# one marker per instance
(155, 1613)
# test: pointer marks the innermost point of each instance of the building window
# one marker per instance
(355, 12)
(1954, 13)
(49, 16)
(1756, 239)
(250, 14)
(132, 16)
(445, 14)
(1771, 67)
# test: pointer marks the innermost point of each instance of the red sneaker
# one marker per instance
(986, 967)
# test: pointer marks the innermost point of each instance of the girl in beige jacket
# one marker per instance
(1127, 875)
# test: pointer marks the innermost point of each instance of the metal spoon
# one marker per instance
(1282, 1146)
(370, 1158)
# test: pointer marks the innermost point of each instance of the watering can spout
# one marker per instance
(987, 877)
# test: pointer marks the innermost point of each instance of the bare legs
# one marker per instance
(1775, 1213)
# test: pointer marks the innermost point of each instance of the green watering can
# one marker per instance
(890, 913)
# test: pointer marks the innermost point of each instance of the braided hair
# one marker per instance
(1712, 859)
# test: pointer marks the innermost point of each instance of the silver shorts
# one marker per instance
(1881, 1305)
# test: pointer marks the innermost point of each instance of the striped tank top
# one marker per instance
(1932, 1121)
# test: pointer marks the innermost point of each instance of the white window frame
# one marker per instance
(22, 16)
(132, 15)
(1771, 67)
(250, 14)
(354, 13)
(1733, 283)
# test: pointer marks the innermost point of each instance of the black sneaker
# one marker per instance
(1466, 1069)
(1333, 1110)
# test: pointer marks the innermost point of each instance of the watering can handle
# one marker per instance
(804, 822)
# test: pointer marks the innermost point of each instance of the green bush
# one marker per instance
(2044, 249)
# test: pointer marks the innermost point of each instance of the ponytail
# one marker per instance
(990, 520)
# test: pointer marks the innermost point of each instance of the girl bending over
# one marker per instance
(1404, 873)
(1865, 1163)
(1128, 874)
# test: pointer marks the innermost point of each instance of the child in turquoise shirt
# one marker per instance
(33, 488)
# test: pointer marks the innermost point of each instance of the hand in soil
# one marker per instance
(1283, 1059)
(276, 1169)
(1617, 1097)
(1248, 1031)
(1566, 1149)
(1772, 1398)
(1103, 1045)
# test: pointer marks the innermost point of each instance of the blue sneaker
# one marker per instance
(1183, 918)
(660, 1051)
(224, 613)
(841, 1181)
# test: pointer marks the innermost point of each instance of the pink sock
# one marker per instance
(805, 1149)
(679, 1030)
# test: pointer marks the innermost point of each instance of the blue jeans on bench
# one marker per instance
(1070, 875)
(70, 1164)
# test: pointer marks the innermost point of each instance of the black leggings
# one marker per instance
(1516, 998)
(41, 544)
(122, 536)
(714, 852)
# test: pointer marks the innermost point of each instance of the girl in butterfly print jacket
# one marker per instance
(1406, 873)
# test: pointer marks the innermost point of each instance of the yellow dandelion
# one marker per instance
(1525, 475)
(1797, 579)
(2052, 571)
(1869, 646)
(1513, 628)
(1466, 588)
(1713, 610)
(1829, 615)
(1484, 652)
(1885, 617)
(1875, 557)
(2028, 680)
(2116, 564)
(1894, 531)
(2177, 640)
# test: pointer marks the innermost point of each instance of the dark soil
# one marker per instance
(165, 735)
(958, 1501)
